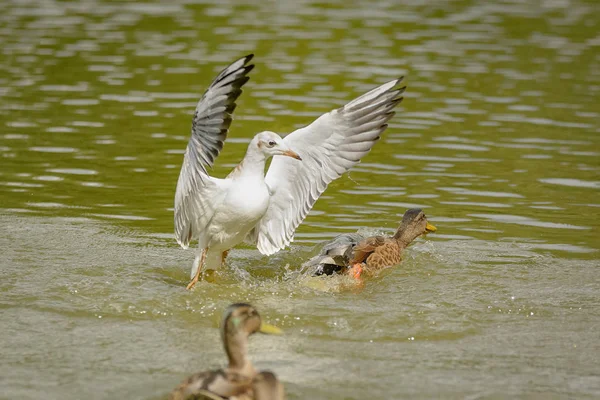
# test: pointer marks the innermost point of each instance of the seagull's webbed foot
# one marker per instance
(209, 275)
(193, 282)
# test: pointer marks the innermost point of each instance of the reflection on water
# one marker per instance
(497, 140)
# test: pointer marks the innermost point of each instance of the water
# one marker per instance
(497, 140)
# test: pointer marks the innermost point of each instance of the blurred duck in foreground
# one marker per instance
(354, 254)
(239, 381)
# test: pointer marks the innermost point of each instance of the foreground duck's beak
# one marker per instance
(430, 228)
(269, 329)
(292, 154)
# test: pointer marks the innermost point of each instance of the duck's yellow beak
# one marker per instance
(430, 228)
(269, 329)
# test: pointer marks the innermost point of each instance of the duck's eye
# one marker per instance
(271, 143)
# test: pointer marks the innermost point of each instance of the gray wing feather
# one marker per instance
(210, 125)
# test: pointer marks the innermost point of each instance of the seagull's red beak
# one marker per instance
(292, 154)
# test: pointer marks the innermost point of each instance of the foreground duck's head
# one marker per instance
(271, 144)
(242, 319)
(414, 224)
(239, 322)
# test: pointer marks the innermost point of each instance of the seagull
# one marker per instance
(248, 205)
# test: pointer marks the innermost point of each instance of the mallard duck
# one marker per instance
(239, 380)
(351, 253)
(377, 252)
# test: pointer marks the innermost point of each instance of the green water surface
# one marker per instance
(497, 139)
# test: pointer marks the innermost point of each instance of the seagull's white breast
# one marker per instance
(244, 205)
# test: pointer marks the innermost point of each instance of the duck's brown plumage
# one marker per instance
(378, 252)
(264, 386)
(239, 381)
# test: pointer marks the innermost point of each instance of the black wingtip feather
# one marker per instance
(225, 74)
(242, 81)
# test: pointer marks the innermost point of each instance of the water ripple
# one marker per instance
(54, 149)
(521, 220)
(463, 191)
(572, 182)
(73, 171)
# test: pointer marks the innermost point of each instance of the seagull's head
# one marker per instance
(271, 144)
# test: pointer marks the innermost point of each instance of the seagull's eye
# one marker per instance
(271, 143)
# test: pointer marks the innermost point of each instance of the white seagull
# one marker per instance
(247, 205)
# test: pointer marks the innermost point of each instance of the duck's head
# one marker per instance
(414, 224)
(242, 319)
(271, 144)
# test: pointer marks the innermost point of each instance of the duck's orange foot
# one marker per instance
(355, 271)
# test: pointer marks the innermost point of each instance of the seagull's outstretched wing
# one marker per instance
(330, 146)
(210, 125)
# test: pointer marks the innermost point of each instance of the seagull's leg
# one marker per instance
(198, 270)
(223, 257)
